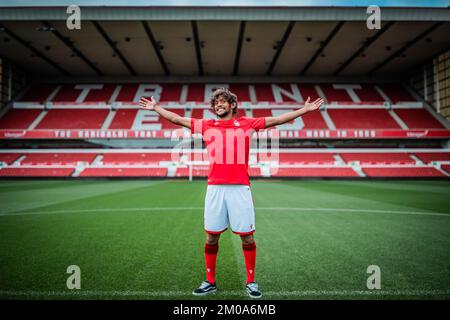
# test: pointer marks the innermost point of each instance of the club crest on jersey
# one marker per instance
(236, 123)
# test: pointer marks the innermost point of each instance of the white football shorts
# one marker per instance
(229, 205)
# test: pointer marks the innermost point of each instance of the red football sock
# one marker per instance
(250, 260)
(210, 260)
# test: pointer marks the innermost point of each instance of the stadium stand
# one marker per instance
(36, 172)
(352, 106)
(287, 163)
(89, 108)
(124, 172)
(65, 159)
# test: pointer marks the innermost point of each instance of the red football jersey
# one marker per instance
(228, 146)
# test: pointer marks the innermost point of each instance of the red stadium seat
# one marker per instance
(314, 172)
(73, 119)
(254, 172)
(9, 158)
(67, 93)
(418, 119)
(36, 172)
(378, 157)
(57, 158)
(135, 158)
(362, 119)
(396, 92)
(124, 172)
(101, 95)
(197, 171)
(18, 118)
(400, 172)
(312, 120)
(299, 158)
(433, 156)
(123, 119)
(446, 167)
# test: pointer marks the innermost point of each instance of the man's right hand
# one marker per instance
(147, 104)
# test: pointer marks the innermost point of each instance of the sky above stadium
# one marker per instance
(359, 3)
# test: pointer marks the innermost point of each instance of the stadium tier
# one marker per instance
(135, 158)
(356, 163)
(314, 172)
(124, 172)
(115, 106)
(56, 159)
(398, 172)
(378, 157)
(284, 92)
(352, 111)
(36, 172)
(299, 158)
(9, 158)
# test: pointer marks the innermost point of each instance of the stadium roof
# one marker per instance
(222, 41)
(298, 3)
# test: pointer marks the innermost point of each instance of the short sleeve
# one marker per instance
(257, 123)
(197, 126)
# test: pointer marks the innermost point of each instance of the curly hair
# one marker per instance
(229, 97)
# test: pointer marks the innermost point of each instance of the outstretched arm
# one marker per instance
(289, 116)
(166, 114)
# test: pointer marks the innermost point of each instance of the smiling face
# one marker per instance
(222, 107)
(224, 103)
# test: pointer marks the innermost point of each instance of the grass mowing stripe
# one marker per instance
(439, 187)
(323, 191)
(343, 210)
(376, 194)
(35, 199)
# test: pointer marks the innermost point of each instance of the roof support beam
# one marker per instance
(405, 47)
(74, 49)
(113, 46)
(198, 52)
(237, 56)
(280, 47)
(366, 45)
(35, 51)
(322, 47)
(155, 45)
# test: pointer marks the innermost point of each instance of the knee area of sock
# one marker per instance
(212, 239)
(212, 243)
(247, 240)
(211, 248)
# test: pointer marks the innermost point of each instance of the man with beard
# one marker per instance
(228, 201)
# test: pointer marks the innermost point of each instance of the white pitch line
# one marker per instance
(343, 210)
(104, 210)
(360, 210)
(305, 293)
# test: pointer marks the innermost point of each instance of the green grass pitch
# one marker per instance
(139, 239)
